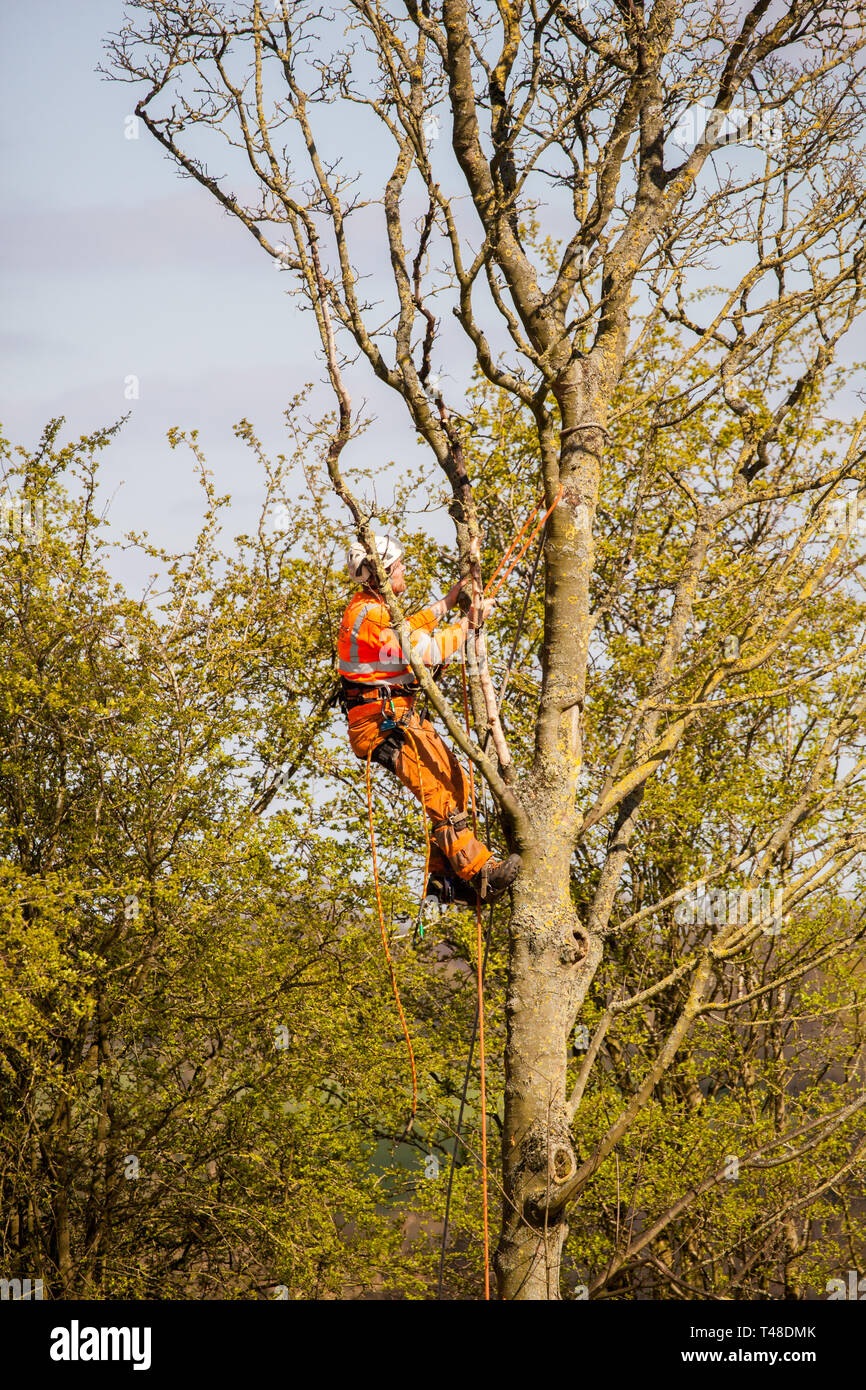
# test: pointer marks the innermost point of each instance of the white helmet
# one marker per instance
(359, 566)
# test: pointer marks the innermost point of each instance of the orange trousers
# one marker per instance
(427, 766)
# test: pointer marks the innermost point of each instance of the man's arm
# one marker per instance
(444, 605)
(435, 648)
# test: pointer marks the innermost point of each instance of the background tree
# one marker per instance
(197, 1038)
(591, 122)
(710, 1192)
(203, 1086)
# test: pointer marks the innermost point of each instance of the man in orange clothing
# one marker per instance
(379, 691)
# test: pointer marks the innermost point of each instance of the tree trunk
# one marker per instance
(552, 960)
(550, 969)
(62, 1221)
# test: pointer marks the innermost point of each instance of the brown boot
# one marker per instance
(496, 877)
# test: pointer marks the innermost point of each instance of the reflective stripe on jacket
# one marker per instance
(369, 650)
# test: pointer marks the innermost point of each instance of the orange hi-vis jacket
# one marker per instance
(369, 654)
(369, 651)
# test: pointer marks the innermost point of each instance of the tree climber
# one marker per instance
(379, 692)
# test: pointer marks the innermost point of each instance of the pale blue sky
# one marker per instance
(112, 265)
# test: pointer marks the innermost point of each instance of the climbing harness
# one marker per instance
(389, 716)
(354, 693)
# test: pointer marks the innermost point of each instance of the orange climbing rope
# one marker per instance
(490, 589)
(384, 934)
(479, 961)
(411, 736)
(479, 964)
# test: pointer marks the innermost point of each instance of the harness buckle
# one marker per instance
(390, 721)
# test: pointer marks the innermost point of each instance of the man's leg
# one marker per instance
(426, 765)
(491, 878)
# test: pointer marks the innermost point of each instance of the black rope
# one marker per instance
(487, 936)
(520, 621)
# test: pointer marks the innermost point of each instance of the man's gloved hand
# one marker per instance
(458, 597)
(487, 607)
(455, 594)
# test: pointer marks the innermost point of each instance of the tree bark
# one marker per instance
(551, 966)
(552, 960)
